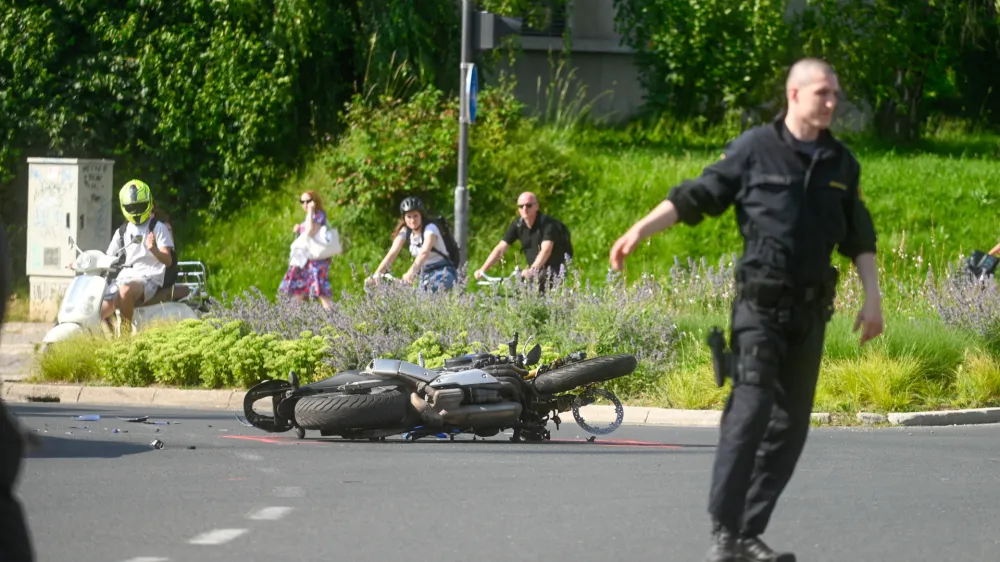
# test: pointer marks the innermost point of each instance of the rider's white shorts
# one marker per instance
(149, 288)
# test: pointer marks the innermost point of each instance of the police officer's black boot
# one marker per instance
(723, 545)
(752, 549)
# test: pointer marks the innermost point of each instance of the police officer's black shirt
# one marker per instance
(544, 228)
(793, 208)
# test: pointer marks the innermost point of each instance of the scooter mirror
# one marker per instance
(71, 242)
(534, 355)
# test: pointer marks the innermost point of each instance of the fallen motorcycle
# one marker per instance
(482, 394)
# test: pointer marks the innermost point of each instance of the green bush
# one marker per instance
(205, 100)
(194, 353)
(394, 148)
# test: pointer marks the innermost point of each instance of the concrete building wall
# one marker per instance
(603, 67)
(598, 68)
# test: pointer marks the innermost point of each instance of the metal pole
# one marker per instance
(461, 191)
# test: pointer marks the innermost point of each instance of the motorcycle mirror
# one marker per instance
(512, 346)
(534, 355)
(70, 241)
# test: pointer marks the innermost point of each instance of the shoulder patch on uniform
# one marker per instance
(838, 185)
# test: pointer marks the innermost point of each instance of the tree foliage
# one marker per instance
(704, 57)
(906, 59)
(209, 101)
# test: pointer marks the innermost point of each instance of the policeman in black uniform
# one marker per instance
(15, 545)
(797, 198)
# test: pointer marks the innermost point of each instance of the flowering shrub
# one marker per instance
(397, 320)
(940, 347)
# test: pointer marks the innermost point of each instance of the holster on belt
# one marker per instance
(722, 357)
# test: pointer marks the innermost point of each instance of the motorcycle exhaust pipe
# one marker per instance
(427, 414)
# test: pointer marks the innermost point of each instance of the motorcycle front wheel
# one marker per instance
(584, 372)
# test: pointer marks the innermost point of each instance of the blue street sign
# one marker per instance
(472, 91)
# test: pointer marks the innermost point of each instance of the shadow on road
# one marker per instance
(61, 448)
(555, 446)
(71, 411)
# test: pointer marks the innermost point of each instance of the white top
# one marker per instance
(140, 263)
(417, 243)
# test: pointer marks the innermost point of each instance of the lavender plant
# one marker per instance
(966, 303)
(387, 319)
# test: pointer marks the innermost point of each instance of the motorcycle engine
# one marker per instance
(472, 386)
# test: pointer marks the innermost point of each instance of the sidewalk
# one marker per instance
(17, 348)
(232, 400)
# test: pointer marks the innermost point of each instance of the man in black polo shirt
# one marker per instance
(545, 241)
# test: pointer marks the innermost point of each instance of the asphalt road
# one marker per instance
(93, 495)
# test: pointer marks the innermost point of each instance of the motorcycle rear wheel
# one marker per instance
(588, 371)
(336, 413)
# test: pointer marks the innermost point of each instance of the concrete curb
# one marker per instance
(123, 396)
(948, 417)
(634, 415)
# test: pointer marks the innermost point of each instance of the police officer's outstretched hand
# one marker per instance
(869, 319)
(624, 246)
(659, 219)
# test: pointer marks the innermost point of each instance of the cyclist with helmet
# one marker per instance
(427, 246)
(147, 254)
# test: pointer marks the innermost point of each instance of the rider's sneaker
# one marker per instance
(723, 547)
(752, 549)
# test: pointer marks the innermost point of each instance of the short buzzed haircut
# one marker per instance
(803, 71)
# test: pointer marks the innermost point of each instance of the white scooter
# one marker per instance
(80, 311)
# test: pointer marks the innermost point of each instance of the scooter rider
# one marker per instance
(147, 254)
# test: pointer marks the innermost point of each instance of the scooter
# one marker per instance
(80, 310)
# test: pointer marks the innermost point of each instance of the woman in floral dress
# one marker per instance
(311, 279)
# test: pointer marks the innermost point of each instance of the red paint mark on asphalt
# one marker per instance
(273, 440)
(603, 443)
(619, 443)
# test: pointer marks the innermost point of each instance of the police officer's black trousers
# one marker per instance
(15, 544)
(766, 417)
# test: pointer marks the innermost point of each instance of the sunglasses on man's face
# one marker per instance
(525, 205)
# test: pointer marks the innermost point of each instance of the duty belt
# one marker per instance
(778, 294)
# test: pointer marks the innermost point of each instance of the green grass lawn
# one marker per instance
(931, 205)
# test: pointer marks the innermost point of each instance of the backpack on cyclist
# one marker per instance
(170, 275)
(449, 240)
(563, 245)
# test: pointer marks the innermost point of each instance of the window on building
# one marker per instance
(545, 18)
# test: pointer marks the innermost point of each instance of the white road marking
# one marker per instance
(218, 536)
(249, 456)
(269, 513)
(148, 559)
(289, 492)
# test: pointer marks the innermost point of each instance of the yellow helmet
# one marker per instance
(136, 201)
